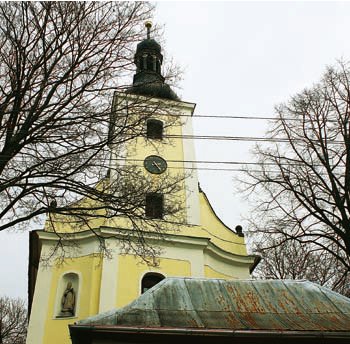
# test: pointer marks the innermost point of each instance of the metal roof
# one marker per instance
(271, 305)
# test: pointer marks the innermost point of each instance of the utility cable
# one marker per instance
(214, 138)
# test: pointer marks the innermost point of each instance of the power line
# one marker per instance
(232, 162)
(266, 118)
(260, 118)
(244, 138)
(240, 117)
(215, 138)
(209, 169)
(248, 117)
(225, 138)
(217, 162)
(201, 168)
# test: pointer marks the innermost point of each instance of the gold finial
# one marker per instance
(148, 25)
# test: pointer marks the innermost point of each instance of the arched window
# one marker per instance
(139, 64)
(154, 205)
(154, 129)
(143, 63)
(150, 280)
(67, 294)
(149, 62)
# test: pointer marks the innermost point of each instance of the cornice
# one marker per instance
(203, 243)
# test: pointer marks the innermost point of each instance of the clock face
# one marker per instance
(155, 164)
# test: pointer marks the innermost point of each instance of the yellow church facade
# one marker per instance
(194, 242)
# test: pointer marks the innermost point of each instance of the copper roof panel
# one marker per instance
(274, 305)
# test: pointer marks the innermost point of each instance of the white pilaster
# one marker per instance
(191, 182)
(108, 290)
(40, 303)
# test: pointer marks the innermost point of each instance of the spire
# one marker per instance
(148, 79)
(148, 25)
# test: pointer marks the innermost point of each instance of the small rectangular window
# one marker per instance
(154, 206)
(154, 129)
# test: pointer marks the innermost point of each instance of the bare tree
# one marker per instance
(60, 63)
(295, 260)
(13, 321)
(301, 189)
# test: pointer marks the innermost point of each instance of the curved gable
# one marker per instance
(220, 234)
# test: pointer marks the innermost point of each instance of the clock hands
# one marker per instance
(156, 165)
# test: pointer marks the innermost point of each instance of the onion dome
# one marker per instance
(150, 45)
(148, 79)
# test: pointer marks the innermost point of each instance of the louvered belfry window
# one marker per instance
(154, 129)
(154, 205)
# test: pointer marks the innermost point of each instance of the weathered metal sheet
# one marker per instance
(275, 305)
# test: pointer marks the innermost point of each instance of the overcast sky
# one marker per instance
(240, 59)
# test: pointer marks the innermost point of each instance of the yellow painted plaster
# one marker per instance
(211, 273)
(131, 271)
(220, 235)
(211, 227)
(89, 270)
(170, 149)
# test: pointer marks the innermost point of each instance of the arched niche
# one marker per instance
(67, 296)
(149, 280)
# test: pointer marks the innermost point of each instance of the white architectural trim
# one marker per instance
(191, 181)
(40, 304)
(109, 276)
(168, 240)
(143, 99)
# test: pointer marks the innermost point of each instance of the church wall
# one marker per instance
(212, 273)
(40, 305)
(114, 281)
(218, 268)
(131, 271)
(88, 268)
(170, 151)
(220, 235)
(195, 242)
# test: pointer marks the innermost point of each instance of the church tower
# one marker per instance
(195, 242)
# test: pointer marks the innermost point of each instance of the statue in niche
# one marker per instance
(68, 301)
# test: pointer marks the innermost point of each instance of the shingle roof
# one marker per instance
(277, 305)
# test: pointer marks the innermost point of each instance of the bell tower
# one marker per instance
(166, 149)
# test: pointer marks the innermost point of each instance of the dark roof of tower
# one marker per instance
(158, 90)
(148, 44)
(148, 79)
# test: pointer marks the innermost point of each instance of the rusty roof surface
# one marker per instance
(278, 305)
